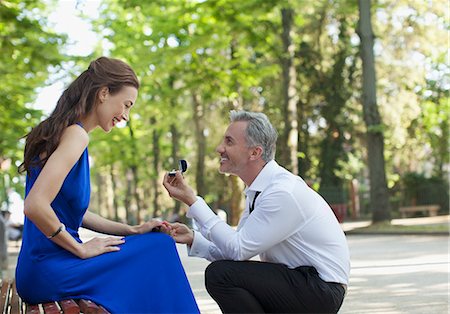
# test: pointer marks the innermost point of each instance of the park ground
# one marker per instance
(391, 272)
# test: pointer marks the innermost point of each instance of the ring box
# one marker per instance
(182, 166)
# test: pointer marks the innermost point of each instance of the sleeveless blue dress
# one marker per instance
(145, 276)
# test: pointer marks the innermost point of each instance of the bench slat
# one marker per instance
(4, 297)
(431, 209)
(103, 310)
(11, 303)
(16, 302)
(51, 308)
(32, 309)
(69, 307)
(89, 307)
(418, 208)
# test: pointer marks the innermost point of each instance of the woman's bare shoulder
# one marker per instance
(75, 133)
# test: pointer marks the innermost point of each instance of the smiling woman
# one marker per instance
(54, 263)
(114, 108)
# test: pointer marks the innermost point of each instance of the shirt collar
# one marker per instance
(262, 180)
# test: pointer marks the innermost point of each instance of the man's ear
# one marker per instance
(256, 153)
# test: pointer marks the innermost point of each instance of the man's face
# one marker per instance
(234, 151)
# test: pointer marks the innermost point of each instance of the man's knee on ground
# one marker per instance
(216, 273)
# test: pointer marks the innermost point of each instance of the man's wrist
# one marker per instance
(191, 200)
(189, 243)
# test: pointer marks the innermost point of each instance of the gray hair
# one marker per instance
(259, 131)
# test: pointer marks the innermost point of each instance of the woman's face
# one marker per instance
(112, 109)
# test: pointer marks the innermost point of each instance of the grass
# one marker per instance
(386, 227)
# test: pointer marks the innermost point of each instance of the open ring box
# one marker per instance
(182, 166)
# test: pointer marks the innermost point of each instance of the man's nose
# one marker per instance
(219, 148)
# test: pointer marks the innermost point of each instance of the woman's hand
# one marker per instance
(97, 223)
(178, 189)
(98, 246)
(152, 225)
(182, 233)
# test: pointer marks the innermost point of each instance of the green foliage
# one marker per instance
(411, 60)
(196, 60)
(228, 52)
(376, 128)
(28, 48)
(422, 190)
(388, 228)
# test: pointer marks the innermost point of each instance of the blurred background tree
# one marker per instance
(29, 53)
(297, 61)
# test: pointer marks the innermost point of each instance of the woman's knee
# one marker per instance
(155, 241)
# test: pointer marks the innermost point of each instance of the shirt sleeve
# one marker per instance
(201, 247)
(204, 216)
(276, 216)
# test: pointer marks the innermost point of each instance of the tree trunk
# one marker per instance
(115, 192)
(136, 194)
(134, 172)
(379, 196)
(3, 245)
(288, 152)
(235, 197)
(303, 160)
(175, 148)
(3, 183)
(199, 116)
(235, 202)
(100, 195)
(109, 196)
(156, 162)
(128, 210)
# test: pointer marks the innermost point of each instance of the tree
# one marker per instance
(379, 196)
(199, 59)
(29, 48)
(289, 137)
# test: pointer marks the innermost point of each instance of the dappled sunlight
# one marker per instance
(390, 274)
(413, 249)
(398, 274)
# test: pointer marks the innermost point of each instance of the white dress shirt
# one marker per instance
(291, 224)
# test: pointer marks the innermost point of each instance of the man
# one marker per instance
(305, 262)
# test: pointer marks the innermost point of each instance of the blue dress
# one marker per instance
(145, 276)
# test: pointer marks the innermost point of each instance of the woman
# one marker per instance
(139, 273)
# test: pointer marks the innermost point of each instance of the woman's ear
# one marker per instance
(103, 93)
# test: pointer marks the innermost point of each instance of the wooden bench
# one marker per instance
(431, 209)
(11, 303)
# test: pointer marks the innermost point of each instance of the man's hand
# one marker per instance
(181, 233)
(148, 226)
(178, 189)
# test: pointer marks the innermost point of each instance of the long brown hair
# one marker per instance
(75, 102)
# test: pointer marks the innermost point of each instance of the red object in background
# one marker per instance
(340, 211)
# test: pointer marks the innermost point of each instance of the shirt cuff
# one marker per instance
(200, 211)
(200, 246)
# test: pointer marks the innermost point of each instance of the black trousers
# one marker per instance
(258, 287)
